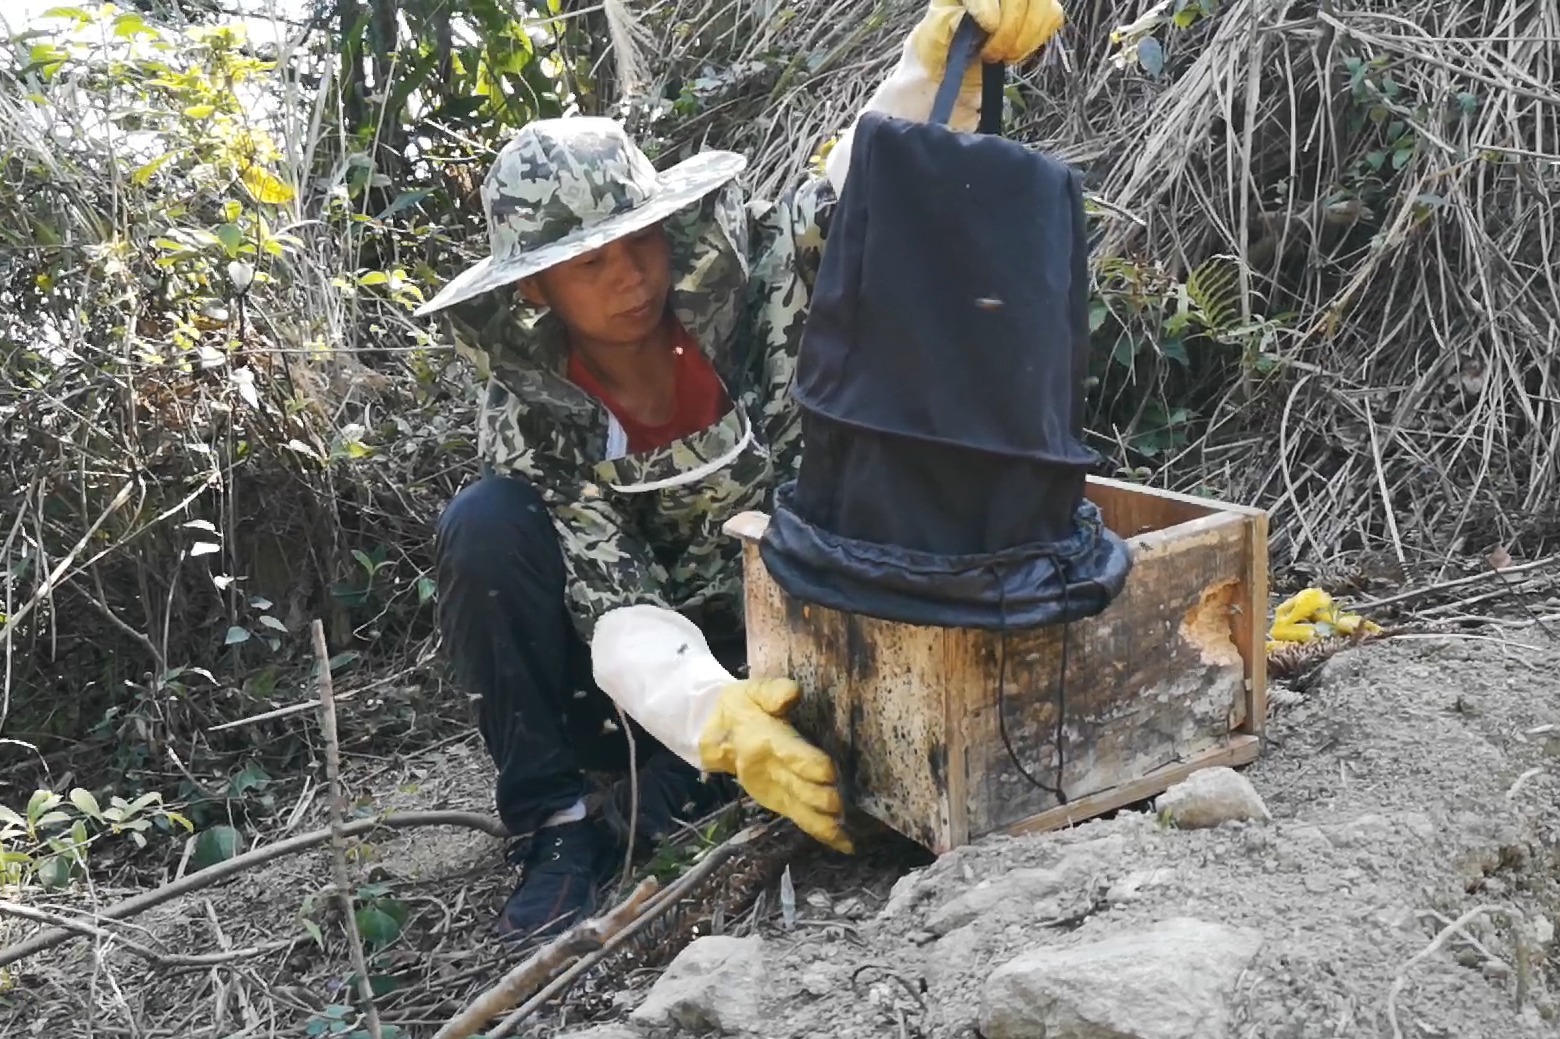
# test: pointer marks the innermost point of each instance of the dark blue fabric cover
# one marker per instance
(941, 378)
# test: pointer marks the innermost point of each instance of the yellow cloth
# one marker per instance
(1015, 29)
(1311, 614)
(747, 736)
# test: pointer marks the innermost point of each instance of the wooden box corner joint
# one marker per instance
(1169, 679)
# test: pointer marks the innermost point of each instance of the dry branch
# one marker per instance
(541, 965)
(1442, 587)
(338, 842)
(666, 900)
(249, 860)
(165, 960)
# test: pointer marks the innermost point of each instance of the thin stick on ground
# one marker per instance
(338, 842)
(249, 860)
(674, 893)
(1441, 938)
(150, 955)
(1442, 587)
(541, 965)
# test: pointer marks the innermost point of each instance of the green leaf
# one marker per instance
(232, 237)
(252, 776)
(265, 187)
(54, 872)
(41, 801)
(143, 174)
(1151, 55)
(271, 622)
(383, 985)
(1125, 352)
(85, 803)
(314, 932)
(215, 845)
(1214, 289)
(377, 927)
(1175, 350)
(426, 589)
(1098, 312)
(130, 24)
(1401, 156)
(373, 278)
(200, 111)
(10, 817)
(47, 58)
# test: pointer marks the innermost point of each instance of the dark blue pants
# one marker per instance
(506, 627)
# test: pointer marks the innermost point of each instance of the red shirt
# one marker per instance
(701, 399)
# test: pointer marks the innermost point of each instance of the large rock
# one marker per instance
(716, 984)
(1210, 797)
(1171, 981)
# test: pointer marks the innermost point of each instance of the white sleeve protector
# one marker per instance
(907, 93)
(657, 666)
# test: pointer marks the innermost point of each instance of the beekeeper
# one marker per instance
(638, 332)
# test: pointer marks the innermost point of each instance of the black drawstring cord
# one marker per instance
(1061, 688)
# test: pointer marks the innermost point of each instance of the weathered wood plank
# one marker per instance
(1154, 678)
(873, 700)
(1241, 750)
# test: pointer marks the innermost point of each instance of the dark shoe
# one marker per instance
(561, 867)
(671, 794)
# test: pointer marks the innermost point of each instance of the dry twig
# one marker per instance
(541, 965)
(338, 841)
(165, 960)
(666, 900)
(249, 860)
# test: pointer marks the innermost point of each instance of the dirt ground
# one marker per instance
(1413, 783)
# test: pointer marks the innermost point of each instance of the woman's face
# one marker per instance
(615, 295)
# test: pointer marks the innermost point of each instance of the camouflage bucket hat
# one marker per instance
(563, 187)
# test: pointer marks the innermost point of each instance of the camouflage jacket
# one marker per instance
(743, 275)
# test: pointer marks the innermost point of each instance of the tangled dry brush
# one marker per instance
(1361, 196)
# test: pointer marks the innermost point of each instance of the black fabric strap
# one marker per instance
(968, 39)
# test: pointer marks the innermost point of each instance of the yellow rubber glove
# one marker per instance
(1015, 29)
(747, 736)
(656, 665)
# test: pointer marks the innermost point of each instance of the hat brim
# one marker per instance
(677, 187)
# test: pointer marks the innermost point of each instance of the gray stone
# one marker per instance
(716, 984)
(817, 982)
(1210, 797)
(1170, 981)
(952, 953)
(1132, 885)
(906, 892)
(1020, 889)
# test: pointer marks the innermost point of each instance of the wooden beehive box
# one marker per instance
(1170, 678)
